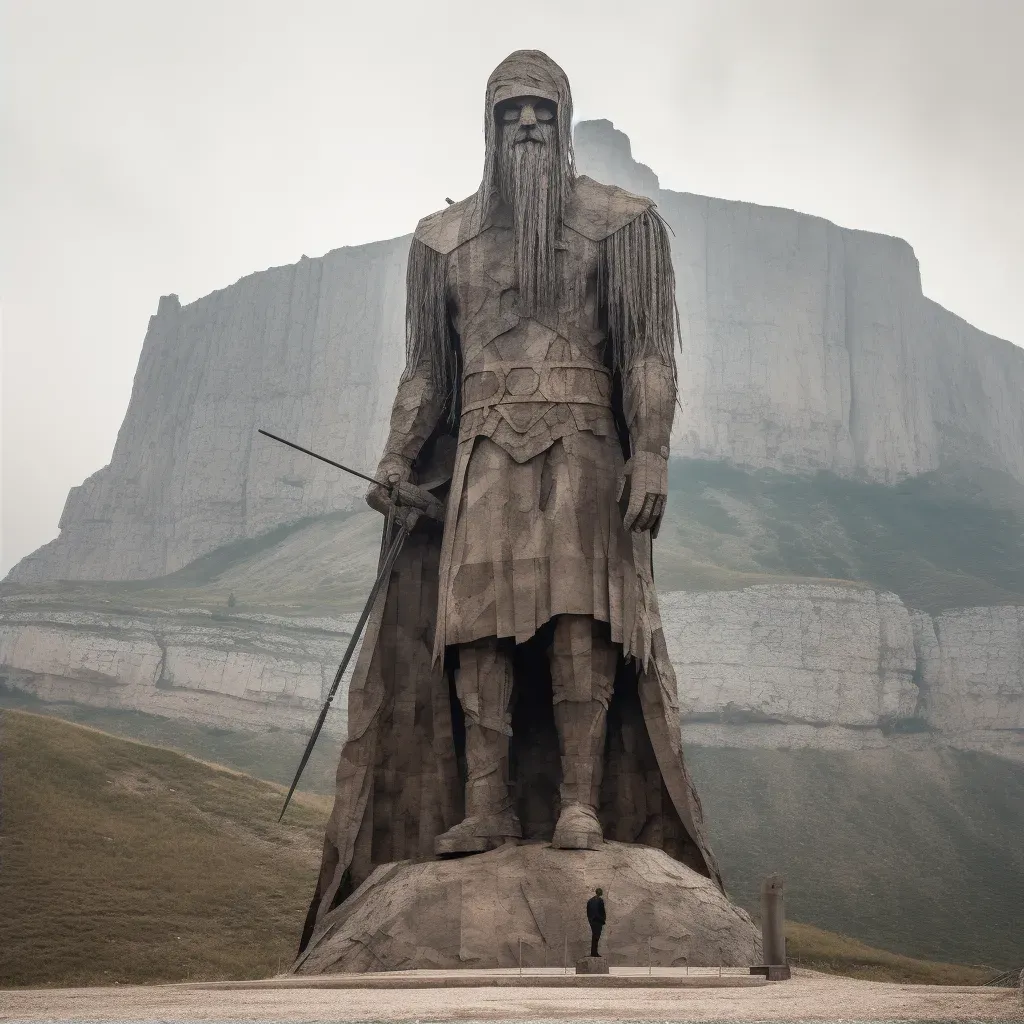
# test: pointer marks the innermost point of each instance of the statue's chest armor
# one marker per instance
(485, 299)
(527, 381)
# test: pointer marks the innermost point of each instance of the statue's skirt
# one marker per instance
(536, 539)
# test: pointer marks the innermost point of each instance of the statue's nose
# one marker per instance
(528, 116)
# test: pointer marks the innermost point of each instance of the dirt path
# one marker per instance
(807, 997)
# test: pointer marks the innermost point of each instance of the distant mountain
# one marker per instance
(806, 347)
(841, 567)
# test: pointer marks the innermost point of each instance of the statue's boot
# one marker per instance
(581, 728)
(490, 820)
(583, 663)
(484, 687)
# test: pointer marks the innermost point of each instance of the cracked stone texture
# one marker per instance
(801, 654)
(236, 672)
(806, 346)
(773, 665)
(472, 912)
(973, 674)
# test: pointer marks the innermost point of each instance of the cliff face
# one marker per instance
(770, 666)
(805, 346)
(808, 346)
(311, 352)
(844, 668)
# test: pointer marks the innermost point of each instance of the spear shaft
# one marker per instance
(402, 492)
(322, 458)
(382, 575)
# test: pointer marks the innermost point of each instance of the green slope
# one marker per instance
(124, 862)
(918, 853)
(131, 863)
(915, 851)
(938, 542)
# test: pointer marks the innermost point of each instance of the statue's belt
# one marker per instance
(509, 383)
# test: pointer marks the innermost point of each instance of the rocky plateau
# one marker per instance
(806, 347)
(772, 665)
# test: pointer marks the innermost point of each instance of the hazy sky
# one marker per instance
(153, 147)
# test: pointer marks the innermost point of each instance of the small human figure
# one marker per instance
(595, 915)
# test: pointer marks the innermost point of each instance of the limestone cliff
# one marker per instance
(809, 346)
(806, 346)
(768, 666)
(311, 351)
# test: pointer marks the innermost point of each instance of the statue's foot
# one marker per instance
(477, 834)
(577, 829)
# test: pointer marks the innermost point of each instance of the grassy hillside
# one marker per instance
(131, 863)
(915, 851)
(937, 542)
(124, 862)
(820, 950)
(272, 755)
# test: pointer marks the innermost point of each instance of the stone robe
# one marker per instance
(533, 530)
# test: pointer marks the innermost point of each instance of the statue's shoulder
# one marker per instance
(597, 210)
(449, 228)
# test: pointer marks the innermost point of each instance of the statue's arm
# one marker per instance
(643, 327)
(414, 416)
(649, 399)
(428, 383)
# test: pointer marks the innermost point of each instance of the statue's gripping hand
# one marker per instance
(647, 473)
(392, 471)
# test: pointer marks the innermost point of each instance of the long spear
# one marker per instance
(322, 458)
(401, 494)
(385, 572)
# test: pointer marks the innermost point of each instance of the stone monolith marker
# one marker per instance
(473, 912)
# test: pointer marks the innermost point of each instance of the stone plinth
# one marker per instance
(474, 912)
(592, 965)
(773, 972)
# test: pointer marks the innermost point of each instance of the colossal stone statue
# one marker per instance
(513, 683)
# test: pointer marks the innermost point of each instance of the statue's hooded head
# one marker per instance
(529, 164)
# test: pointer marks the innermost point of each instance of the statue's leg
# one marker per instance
(484, 687)
(583, 662)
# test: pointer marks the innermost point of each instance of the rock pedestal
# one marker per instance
(474, 912)
(592, 965)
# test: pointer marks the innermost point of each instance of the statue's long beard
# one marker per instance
(530, 181)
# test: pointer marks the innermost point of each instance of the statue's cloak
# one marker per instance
(401, 773)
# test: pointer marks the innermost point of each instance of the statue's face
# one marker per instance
(526, 120)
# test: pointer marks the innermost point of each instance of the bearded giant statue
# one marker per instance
(513, 685)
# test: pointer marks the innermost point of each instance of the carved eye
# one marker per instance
(510, 114)
(544, 112)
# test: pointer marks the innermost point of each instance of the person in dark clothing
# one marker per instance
(595, 915)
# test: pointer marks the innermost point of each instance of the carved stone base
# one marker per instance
(773, 972)
(592, 965)
(474, 912)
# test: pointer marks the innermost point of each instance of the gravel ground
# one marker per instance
(808, 997)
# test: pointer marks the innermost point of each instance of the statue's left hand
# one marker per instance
(648, 491)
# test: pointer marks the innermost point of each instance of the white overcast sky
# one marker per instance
(151, 147)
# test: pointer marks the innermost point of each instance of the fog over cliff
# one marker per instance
(176, 147)
(805, 347)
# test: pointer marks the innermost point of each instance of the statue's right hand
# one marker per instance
(393, 470)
